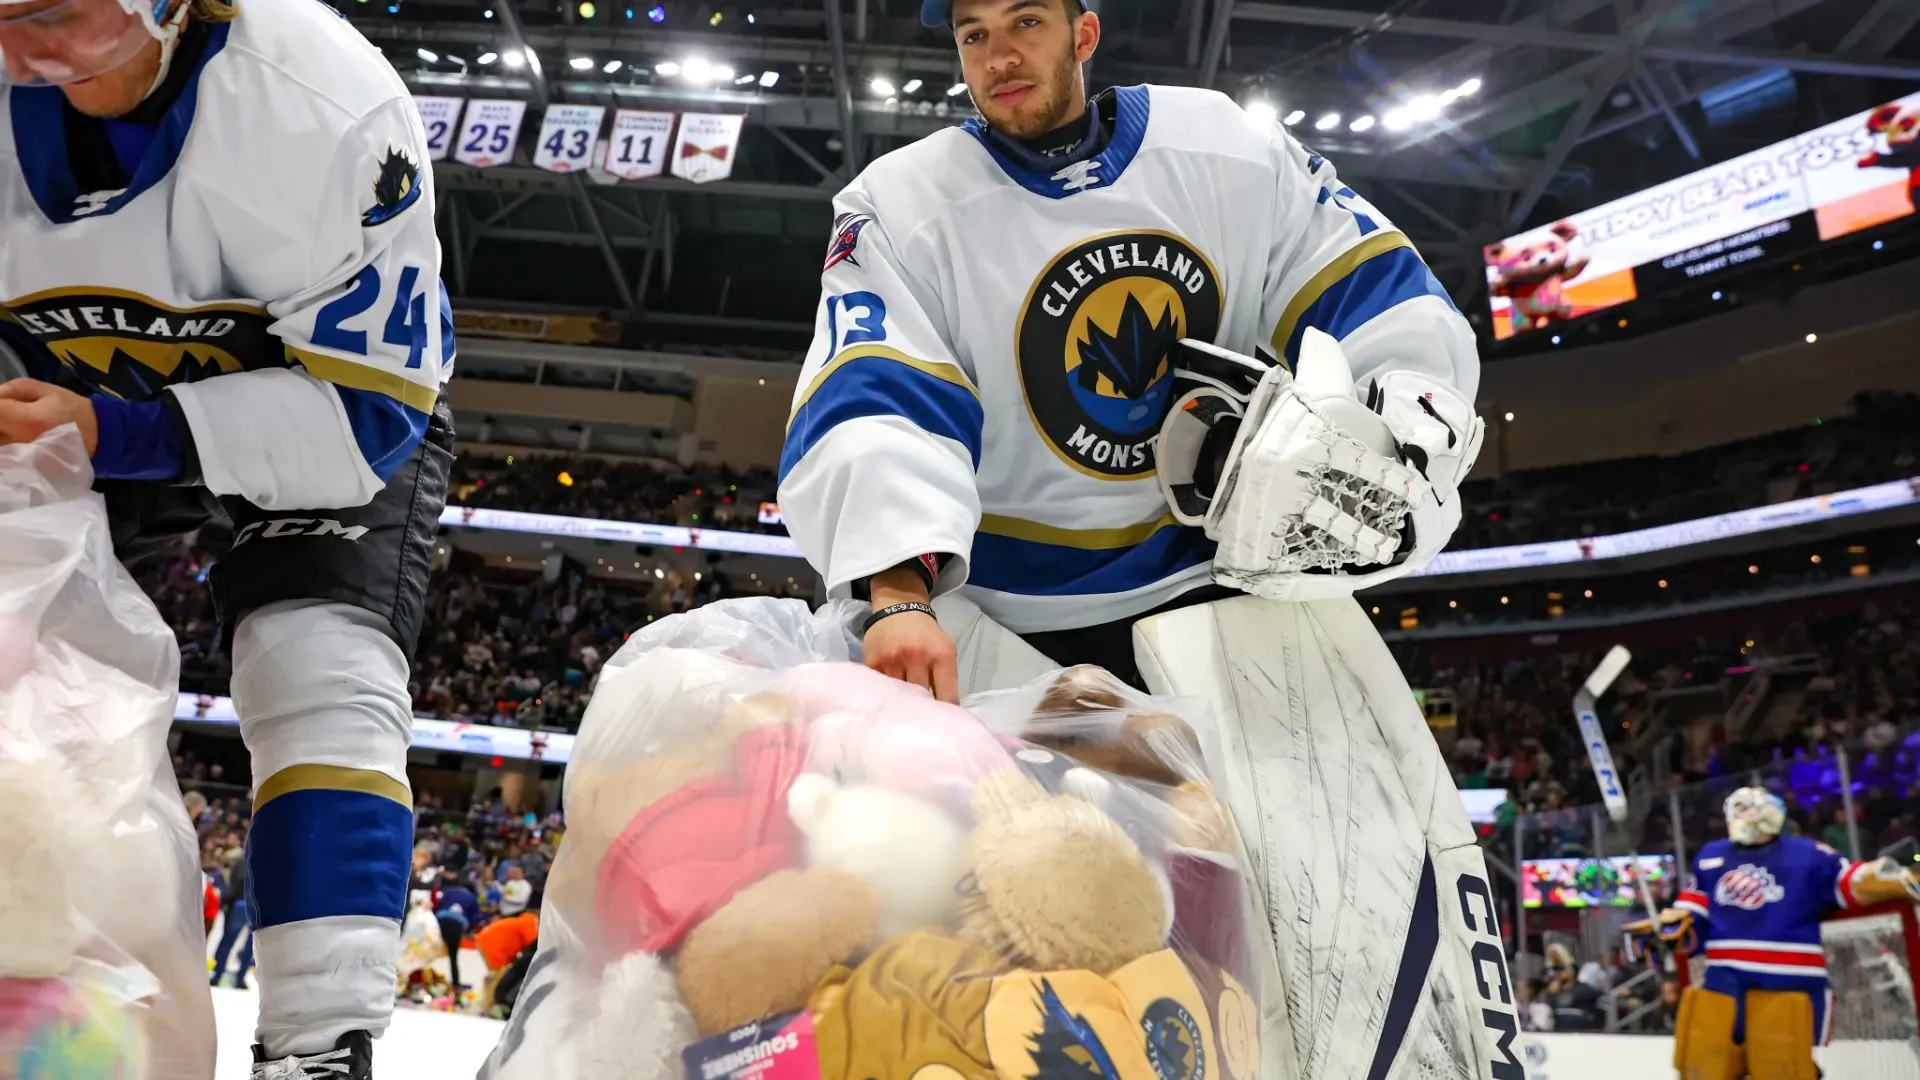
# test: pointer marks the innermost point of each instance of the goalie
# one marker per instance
(1754, 907)
(980, 446)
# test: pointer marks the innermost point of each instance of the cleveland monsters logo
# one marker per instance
(1095, 341)
(1749, 888)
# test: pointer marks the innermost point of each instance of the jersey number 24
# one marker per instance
(406, 321)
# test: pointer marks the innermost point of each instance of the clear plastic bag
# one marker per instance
(103, 958)
(781, 864)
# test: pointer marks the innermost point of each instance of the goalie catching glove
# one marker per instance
(1310, 490)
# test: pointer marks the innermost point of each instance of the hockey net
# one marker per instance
(1874, 1029)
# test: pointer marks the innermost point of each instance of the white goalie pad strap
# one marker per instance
(988, 656)
(1432, 423)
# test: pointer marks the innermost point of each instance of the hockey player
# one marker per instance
(1011, 312)
(1754, 906)
(219, 263)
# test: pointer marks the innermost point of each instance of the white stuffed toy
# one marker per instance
(910, 851)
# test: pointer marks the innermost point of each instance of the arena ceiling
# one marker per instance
(1463, 119)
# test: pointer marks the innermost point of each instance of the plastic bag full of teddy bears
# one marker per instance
(782, 865)
(102, 962)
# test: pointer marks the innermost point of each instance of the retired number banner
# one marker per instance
(488, 133)
(567, 134)
(637, 148)
(438, 115)
(707, 145)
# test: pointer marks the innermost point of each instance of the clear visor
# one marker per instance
(56, 42)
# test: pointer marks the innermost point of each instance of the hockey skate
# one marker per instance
(350, 1059)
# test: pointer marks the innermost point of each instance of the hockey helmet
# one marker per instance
(57, 42)
(1754, 816)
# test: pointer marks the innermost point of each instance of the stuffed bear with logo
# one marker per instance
(1899, 125)
(1533, 275)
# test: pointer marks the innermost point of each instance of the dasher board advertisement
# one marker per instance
(1785, 198)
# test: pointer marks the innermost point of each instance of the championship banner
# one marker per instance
(707, 146)
(637, 147)
(1780, 200)
(488, 133)
(438, 115)
(567, 135)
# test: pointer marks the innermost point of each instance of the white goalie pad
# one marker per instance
(1384, 938)
(990, 656)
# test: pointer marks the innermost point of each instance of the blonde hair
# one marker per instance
(212, 11)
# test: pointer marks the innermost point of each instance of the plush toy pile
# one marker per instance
(814, 871)
(102, 958)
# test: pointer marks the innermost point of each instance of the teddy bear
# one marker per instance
(1054, 882)
(889, 733)
(1533, 276)
(1900, 125)
(765, 951)
(911, 852)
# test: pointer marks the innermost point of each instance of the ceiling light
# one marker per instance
(956, 89)
(1509, 417)
(1397, 120)
(513, 59)
(667, 68)
(1327, 122)
(587, 10)
(428, 55)
(911, 86)
(719, 72)
(768, 78)
(1295, 117)
(1468, 88)
(1811, 338)
(581, 63)
(656, 14)
(611, 66)
(881, 87)
(1365, 123)
(1424, 107)
(1261, 112)
(487, 14)
(452, 59)
(749, 23)
(743, 80)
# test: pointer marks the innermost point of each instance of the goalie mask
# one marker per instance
(60, 42)
(1754, 816)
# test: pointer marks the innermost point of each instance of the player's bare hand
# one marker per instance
(30, 408)
(910, 646)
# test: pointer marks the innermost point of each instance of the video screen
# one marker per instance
(1579, 883)
(1789, 197)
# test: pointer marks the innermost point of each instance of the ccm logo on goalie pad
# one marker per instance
(1490, 979)
(279, 527)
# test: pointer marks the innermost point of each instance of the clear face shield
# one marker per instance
(58, 42)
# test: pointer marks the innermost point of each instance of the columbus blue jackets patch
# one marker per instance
(396, 188)
(846, 238)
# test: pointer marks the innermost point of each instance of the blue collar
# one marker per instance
(1057, 178)
(40, 141)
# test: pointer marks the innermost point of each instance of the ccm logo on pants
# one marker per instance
(278, 527)
(1490, 978)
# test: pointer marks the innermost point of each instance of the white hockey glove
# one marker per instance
(1309, 490)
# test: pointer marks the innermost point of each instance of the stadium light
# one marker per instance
(1425, 107)
(743, 80)
(698, 71)
(612, 66)
(581, 63)
(911, 86)
(428, 55)
(514, 59)
(881, 87)
(1327, 122)
(1467, 89)
(1363, 124)
(656, 14)
(452, 59)
(1261, 112)
(1509, 416)
(1295, 117)
(666, 68)
(1811, 338)
(768, 78)
(487, 58)
(487, 14)
(587, 10)
(956, 89)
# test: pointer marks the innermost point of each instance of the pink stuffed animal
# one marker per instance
(864, 727)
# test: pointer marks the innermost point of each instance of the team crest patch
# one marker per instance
(1749, 888)
(396, 188)
(846, 239)
(1174, 1046)
(1094, 343)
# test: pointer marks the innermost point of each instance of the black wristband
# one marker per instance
(894, 609)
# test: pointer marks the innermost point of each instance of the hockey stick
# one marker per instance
(1585, 712)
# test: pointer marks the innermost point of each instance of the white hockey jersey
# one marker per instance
(270, 263)
(990, 361)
